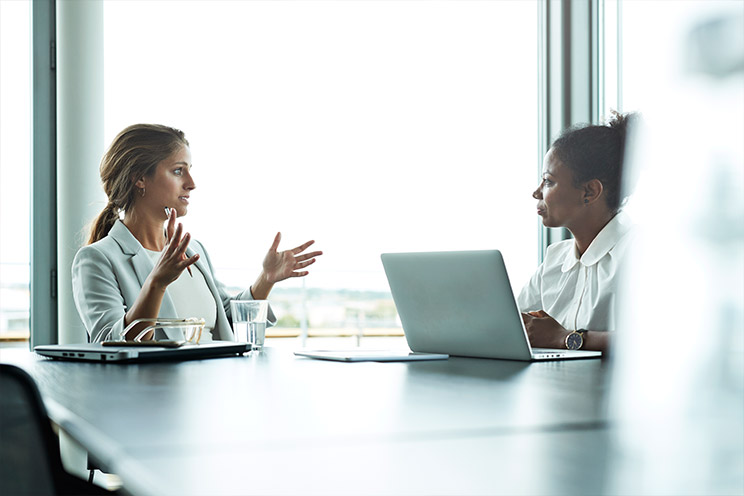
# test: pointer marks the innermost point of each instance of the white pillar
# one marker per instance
(79, 142)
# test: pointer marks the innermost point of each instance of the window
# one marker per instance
(15, 168)
(638, 38)
(368, 126)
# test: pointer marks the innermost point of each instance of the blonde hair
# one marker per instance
(134, 153)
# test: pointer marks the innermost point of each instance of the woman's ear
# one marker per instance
(139, 183)
(593, 190)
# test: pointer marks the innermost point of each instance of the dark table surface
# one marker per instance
(272, 423)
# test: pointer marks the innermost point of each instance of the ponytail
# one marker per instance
(134, 153)
(103, 223)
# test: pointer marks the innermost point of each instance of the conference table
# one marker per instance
(272, 423)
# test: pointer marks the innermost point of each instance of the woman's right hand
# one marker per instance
(173, 260)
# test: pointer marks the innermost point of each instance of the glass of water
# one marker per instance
(249, 321)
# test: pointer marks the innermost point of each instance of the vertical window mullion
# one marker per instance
(43, 219)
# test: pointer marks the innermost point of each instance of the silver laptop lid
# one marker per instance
(460, 303)
(95, 352)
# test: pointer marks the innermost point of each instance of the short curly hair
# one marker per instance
(597, 152)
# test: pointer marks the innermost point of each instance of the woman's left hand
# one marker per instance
(543, 330)
(281, 265)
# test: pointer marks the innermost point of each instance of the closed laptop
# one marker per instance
(96, 352)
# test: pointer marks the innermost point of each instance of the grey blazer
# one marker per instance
(107, 277)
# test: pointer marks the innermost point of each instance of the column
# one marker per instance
(79, 142)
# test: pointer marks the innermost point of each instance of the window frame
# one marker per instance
(44, 308)
(570, 56)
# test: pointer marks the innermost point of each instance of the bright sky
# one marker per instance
(15, 132)
(368, 126)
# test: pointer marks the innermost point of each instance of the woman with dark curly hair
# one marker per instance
(570, 300)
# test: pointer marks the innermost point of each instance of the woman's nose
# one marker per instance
(189, 184)
(537, 194)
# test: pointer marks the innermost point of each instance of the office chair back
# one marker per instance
(30, 463)
(29, 451)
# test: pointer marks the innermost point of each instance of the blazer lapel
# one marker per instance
(222, 329)
(142, 266)
(141, 263)
(201, 265)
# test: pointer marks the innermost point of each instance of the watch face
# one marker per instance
(574, 341)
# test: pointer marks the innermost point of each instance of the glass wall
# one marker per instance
(635, 54)
(370, 127)
(15, 168)
(682, 66)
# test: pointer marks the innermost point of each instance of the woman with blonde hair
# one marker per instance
(135, 267)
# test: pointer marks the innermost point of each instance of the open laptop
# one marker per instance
(461, 303)
(96, 352)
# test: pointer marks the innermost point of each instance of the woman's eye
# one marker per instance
(178, 171)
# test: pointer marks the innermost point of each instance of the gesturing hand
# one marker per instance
(543, 330)
(281, 265)
(173, 260)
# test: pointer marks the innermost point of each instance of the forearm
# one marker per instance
(593, 340)
(597, 341)
(262, 287)
(146, 306)
(544, 331)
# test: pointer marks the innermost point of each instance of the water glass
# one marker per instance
(249, 321)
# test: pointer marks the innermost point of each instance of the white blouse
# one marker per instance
(579, 292)
(191, 297)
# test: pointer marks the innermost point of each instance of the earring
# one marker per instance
(142, 192)
(586, 200)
